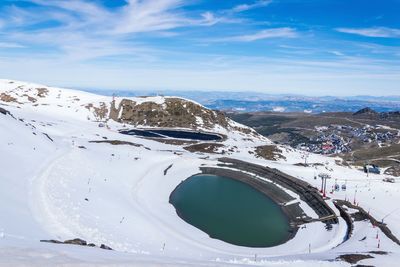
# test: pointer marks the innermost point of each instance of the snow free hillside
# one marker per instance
(100, 171)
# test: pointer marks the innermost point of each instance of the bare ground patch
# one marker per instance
(116, 142)
(174, 141)
(205, 148)
(269, 152)
(354, 258)
(42, 92)
(7, 98)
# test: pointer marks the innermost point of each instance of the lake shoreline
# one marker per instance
(183, 195)
(276, 189)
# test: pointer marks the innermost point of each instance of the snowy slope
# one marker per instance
(56, 184)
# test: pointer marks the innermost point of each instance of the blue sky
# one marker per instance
(325, 47)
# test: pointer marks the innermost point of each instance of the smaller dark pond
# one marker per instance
(173, 134)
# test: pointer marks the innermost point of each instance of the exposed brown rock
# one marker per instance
(102, 246)
(42, 92)
(116, 142)
(30, 98)
(205, 148)
(173, 113)
(7, 98)
(101, 113)
(76, 241)
(269, 152)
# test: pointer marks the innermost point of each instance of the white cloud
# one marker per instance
(343, 77)
(10, 45)
(245, 7)
(284, 32)
(87, 30)
(83, 30)
(336, 53)
(210, 18)
(136, 16)
(151, 15)
(382, 32)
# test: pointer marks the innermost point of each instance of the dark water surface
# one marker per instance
(173, 134)
(231, 211)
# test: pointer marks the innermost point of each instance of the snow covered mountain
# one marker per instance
(138, 111)
(68, 172)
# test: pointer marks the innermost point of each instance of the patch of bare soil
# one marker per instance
(354, 258)
(42, 92)
(379, 252)
(211, 148)
(269, 152)
(116, 142)
(359, 216)
(30, 98)
(174, 141)
(301, 164)
(7, 98)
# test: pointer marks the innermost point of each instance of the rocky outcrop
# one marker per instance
(269, 152)
(174, 112)
(76, 241)
(42, 92)
(4, 111)
(212, 148)
(7, 98)
(171, 112)
(100, 113)
(21, 95)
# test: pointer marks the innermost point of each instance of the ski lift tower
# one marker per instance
(324, 177)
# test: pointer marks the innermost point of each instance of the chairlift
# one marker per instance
(337, 188)
(343, 187)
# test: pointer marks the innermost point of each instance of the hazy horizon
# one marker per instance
(250, 92)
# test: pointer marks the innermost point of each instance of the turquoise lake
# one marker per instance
(231, 211)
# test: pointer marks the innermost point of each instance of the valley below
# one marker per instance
(360, 138)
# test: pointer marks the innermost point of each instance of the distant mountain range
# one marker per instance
(254, 101)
